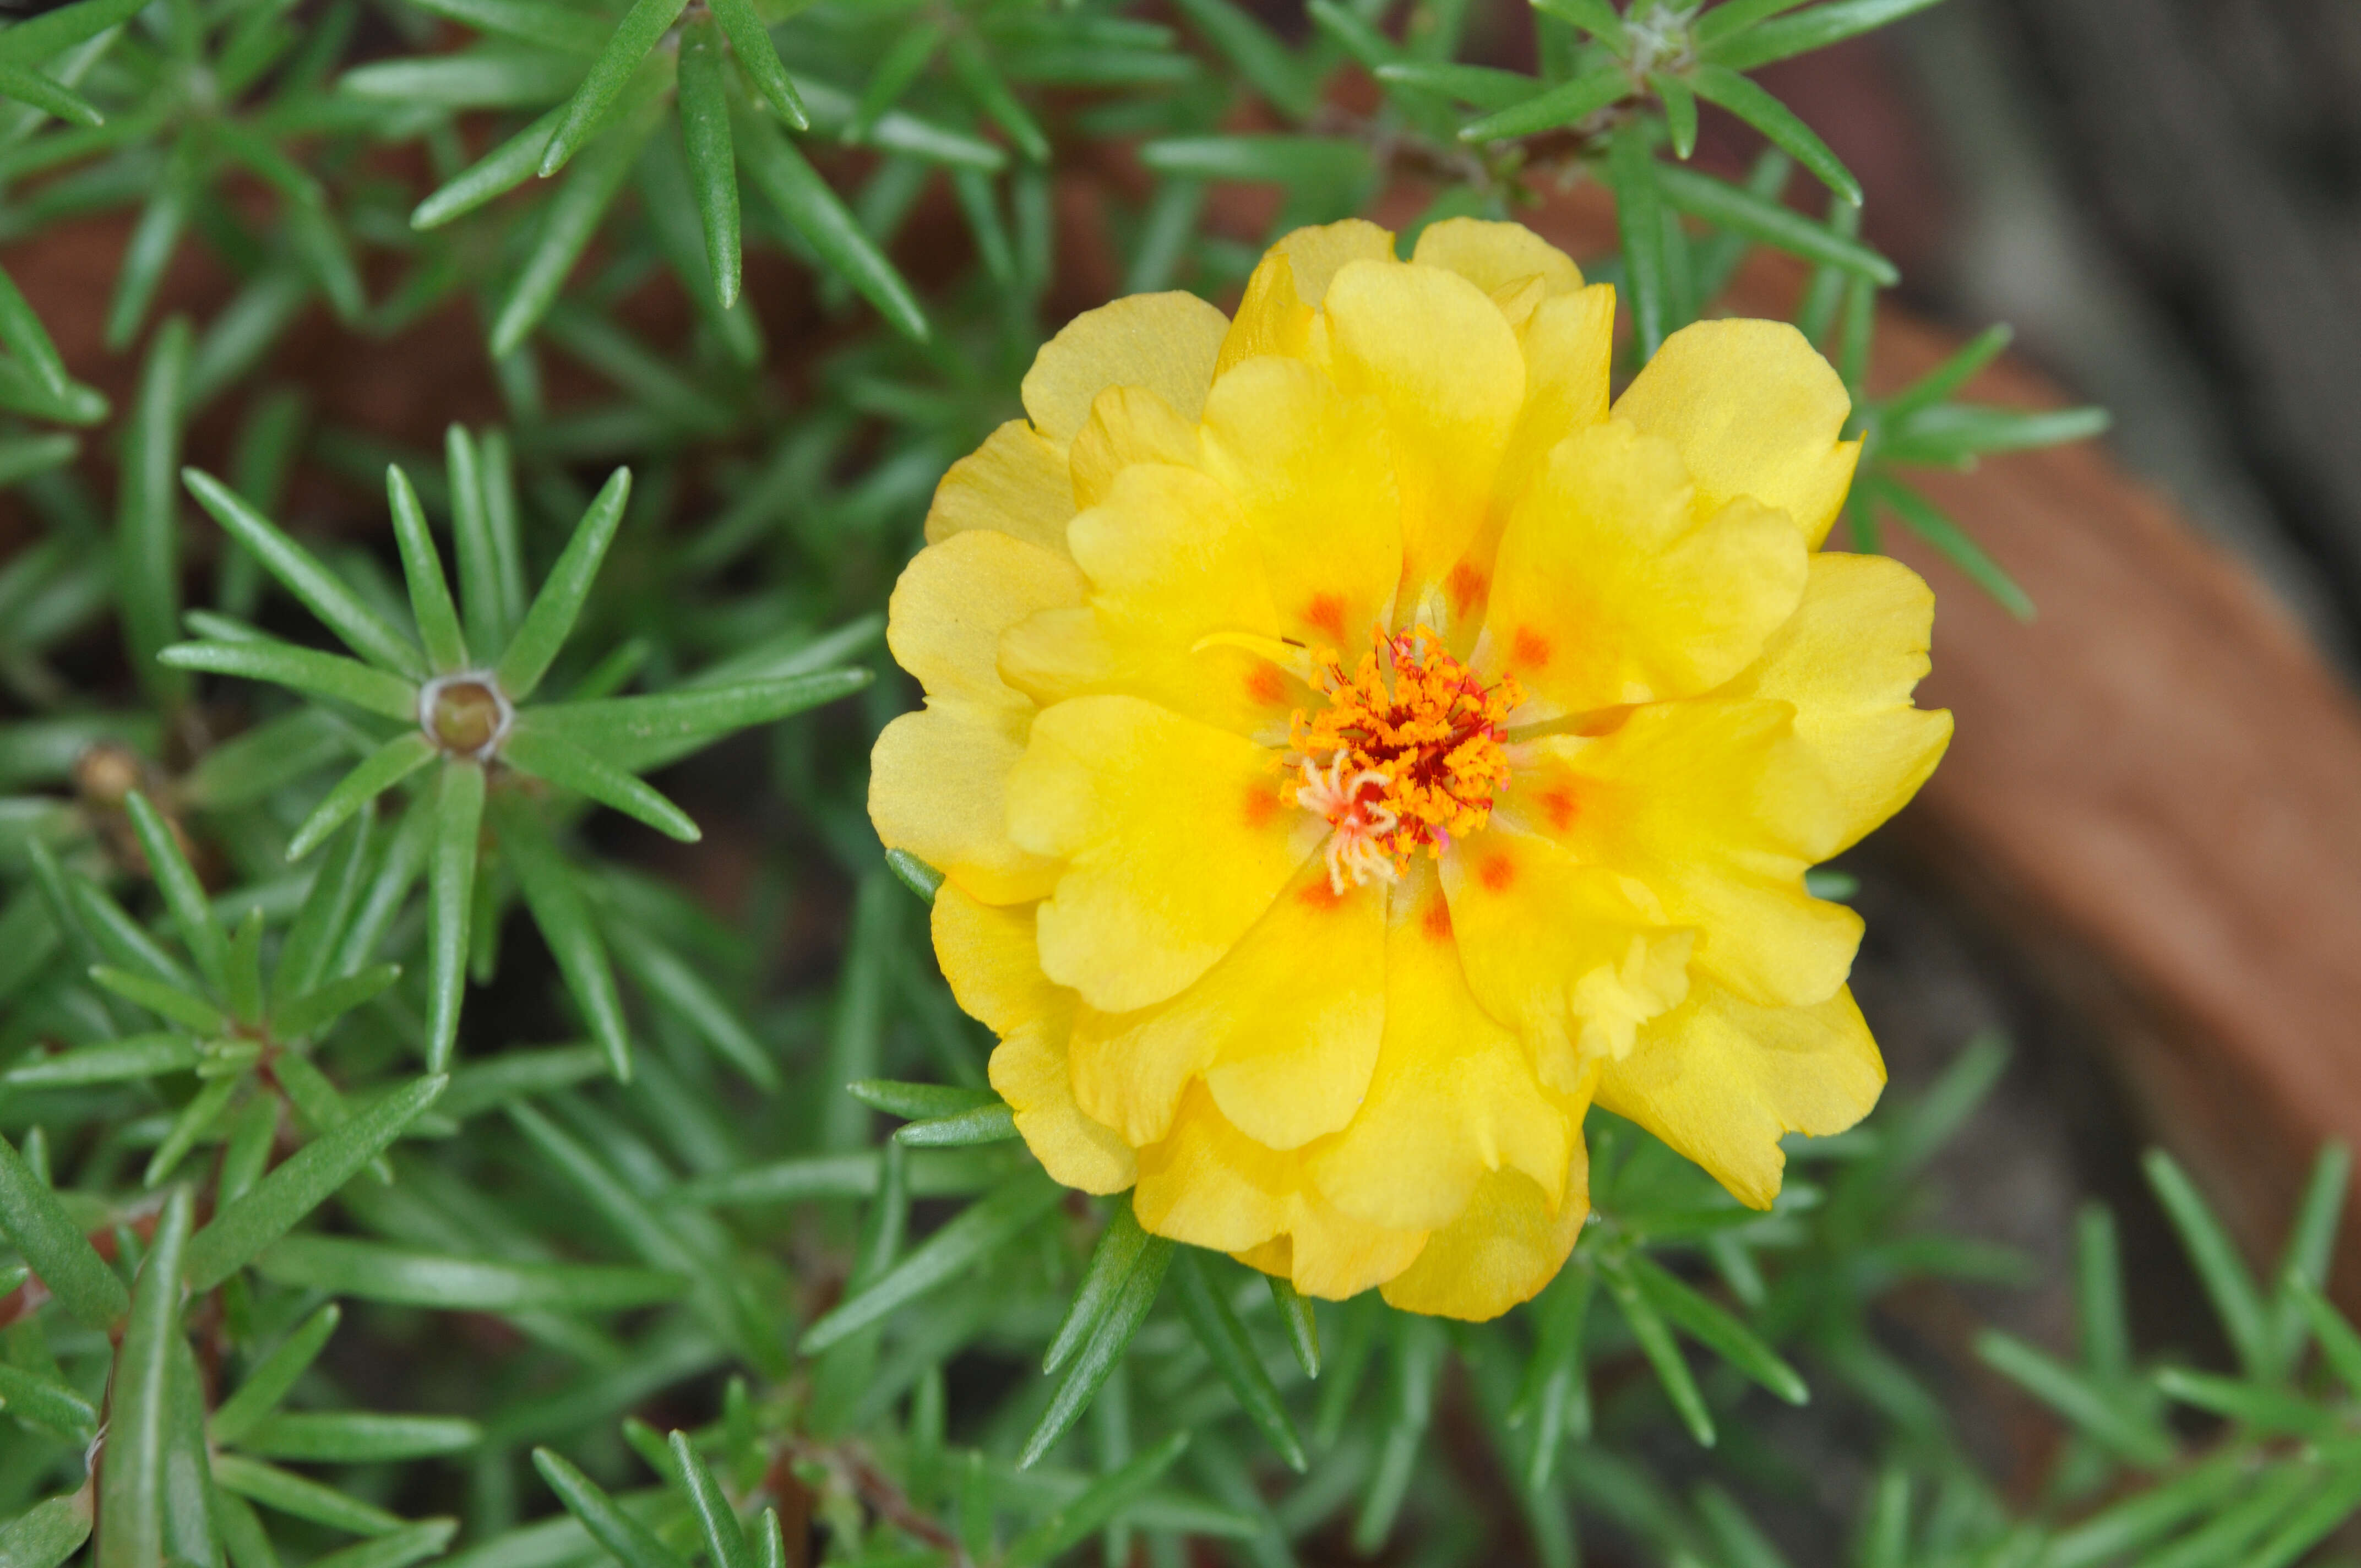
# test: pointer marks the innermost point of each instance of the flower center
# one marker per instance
(1412, 749)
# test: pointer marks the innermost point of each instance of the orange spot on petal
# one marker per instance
(1529, 649)
(1318, 894)
(1260, 804)
(1497, 873)
(1559, 806)
(1265, 686)
(1326, 613)
(1436, 921)
(1466, 584)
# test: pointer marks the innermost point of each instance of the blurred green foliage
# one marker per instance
(355, 1224)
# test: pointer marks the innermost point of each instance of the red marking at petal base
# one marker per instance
(1497, 873)
(1465, 586)
(1319, 894)
(1260, 804)
(1436, 921)
(1529, 649)
(1559, 804)
(1265, 686)
(1326, 613)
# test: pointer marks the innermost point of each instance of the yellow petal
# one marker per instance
(1848, 660)
(1445, 366)
(1717, 810)
(937, 788)
(1175, 838)
(1284, 1029)
(1210, 1185)
(1557, 951)
(1617, 583)
(1165, 343)
(955, 598)
(1453, 1096)
(1015, 483)
(1171, 564)
(1493, 255)
(986, 953)
(1755, 411)
(1127, 425)
(1029, 1071)
(1313, 482)
(1721, 1081)
(1275, 315)
(1568, 342)
(1507, 1243)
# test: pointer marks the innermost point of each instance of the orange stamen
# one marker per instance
(1414, 760)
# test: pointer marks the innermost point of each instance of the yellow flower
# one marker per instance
(1351, 749)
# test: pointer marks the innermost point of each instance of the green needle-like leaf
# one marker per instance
(567, 222)
(450, 902)
(1717, 1330)
(673, 985)
(43, 37)
(559, 909)
(1655, 1340)
(483, 532)
(915, 873)
(370, 1272)
(629, 44)
(1478, 84)
(1740, 210)
(131, 1505)
(302, 669)
(340, 609)
(1225, 1339)
(725, 1538)
(163, 999)
(112, 1061)
(307, 1179)
(1120, 1247)
(1938, 384)
(985, 84)
(320, 920)
(421, 567)
(357, 1437)
(802, 198)
(152, 243)
(1125, 1309)
(527, 21)
(50, 96)
(757, 57)
(1680, 109)
(1099, 1503)
(993, 1124)
(2268, 1409)
(395, 1549)
(1597, 17)
(378, 772)
(48, 1404)
(37, 1227)
(283, 1491)
(273, 1376)
(639, 732)
(184, 895)
(2215, 1257)
(712, 155)
(1576, 100)
(1954, 543)
(48, 1533)
(314, 1010)
(2110, 1417)
(1721, 85)
(23, 335)
(979, 1232)
(243, 988)
(1267, 64)
(630, 1542)
(494, 175)
(1295, 1315)
(571, 767)
(146, 531)
(551, 619)
(1807, 30)
(1632, 171)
